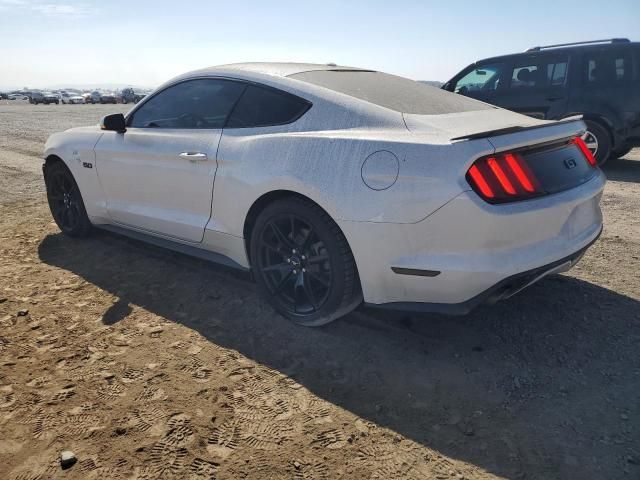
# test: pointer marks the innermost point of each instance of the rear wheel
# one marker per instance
(598, 141)
(621, 152)
(303, 264)
(66, 202)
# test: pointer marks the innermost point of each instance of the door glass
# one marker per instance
(194, 104)
(539, 73)
(482, 79)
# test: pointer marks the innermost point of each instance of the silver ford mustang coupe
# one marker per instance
(336, 186)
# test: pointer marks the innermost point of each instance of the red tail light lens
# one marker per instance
(585, 151)
(504, 177)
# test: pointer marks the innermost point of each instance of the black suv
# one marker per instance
(599, 79)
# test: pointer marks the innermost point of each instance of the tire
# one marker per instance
(602, 145)
(302, 263)
(65, 201)
(621, 152)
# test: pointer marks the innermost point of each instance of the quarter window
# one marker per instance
(193, 104)
(261, 107)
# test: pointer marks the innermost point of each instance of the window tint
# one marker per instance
(396, 93)
(485, 78)
(202, 103)
(539, 73)
(607, 67)
(261, 107)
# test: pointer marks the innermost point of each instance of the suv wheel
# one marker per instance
(621, 152)
(303, 264)
(598, 141)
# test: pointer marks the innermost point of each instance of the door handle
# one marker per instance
(194, 156)
(553, 99)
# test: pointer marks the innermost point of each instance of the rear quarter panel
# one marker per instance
(327, 168)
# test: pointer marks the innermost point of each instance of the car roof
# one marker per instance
(562, 50)
(276, 69)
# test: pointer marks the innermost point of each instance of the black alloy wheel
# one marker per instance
(303, 264)
(294, 262)
(65, 201)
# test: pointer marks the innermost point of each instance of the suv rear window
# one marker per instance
(263, 107)
(605, 67)
(389, 91)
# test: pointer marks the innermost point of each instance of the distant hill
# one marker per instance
(433, 83)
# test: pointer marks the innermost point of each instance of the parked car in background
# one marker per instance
(18, 96)
(129, 95)
(64, 97)
(52, 98)
(599, 80)
(93, 97)
(4, 96)
(75, 99)
(108, 98)
(44, 98)
(337, 185)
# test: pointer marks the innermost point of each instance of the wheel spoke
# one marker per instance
(318, 278)
(278, 267)
(282, 283)
(65, 217)
(297, 299)
(309, 292)
(307, 243)
(317, 259)
(284, 241)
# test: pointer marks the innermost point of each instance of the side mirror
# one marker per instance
(114, 122)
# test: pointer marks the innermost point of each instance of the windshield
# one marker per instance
(389, 91)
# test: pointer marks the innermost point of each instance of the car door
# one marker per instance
(537, 86)
(158, 176)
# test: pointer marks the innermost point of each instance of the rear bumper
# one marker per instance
(469, 251)
(502, 290)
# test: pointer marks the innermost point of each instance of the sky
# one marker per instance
(144, 43)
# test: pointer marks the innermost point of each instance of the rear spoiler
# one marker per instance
(507, 130)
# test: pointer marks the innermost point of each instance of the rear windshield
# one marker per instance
(396, 93)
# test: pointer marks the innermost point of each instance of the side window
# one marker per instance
(261, 107)
(194, 104)
(606, 67)
(484, 78)
(539, 73)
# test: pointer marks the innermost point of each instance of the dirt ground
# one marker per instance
(149, 364)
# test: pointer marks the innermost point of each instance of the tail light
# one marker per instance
(504, 177)
(585, 151)
(513, 176)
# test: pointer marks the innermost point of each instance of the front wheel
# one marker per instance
(65, 201)
(303, 264)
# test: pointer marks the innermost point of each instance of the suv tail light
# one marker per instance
(519, 175)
